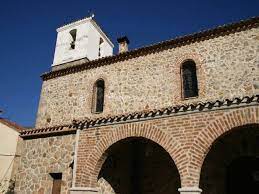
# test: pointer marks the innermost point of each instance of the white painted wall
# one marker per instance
(8, 143)
(86, 45)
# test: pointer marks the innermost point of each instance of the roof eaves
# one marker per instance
(173, 43)
(11, 124)
(138, 116)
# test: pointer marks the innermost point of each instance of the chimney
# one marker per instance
(123, 44)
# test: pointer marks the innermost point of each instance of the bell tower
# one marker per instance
(82, 39)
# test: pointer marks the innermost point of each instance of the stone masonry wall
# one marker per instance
(42, 156)
(227, 66)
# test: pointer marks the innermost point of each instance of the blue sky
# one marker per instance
(27, 31)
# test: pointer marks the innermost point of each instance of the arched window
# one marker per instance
(73, 35)
(98, 98)
(189, 79)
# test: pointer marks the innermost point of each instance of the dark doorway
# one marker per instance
(243, 176)
(140, 166)
(57, 181)
(232, 164)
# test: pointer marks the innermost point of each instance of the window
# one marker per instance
(100, 45)
(73, 42)
(189, 79)
(57, 180)
(98, 99)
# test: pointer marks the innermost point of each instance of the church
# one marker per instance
(177, 117)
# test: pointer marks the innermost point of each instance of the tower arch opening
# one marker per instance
(73, 34)
(138, 165)
(231, 165)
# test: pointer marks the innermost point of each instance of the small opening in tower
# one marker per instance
(73, 41)
(100, 45)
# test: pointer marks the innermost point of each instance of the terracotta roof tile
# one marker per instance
(55, 130)
(138, 116)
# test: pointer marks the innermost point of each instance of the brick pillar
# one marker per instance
(190, 190)
(84, 190)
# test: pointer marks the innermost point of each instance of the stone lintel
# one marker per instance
(83, 190)
(190, 190)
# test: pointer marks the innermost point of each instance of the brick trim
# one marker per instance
(91, 88)
(98, 156)
(198, 60)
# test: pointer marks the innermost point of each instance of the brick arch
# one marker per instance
(216, 129)
(148, 131)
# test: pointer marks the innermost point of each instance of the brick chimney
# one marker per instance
(123, 44)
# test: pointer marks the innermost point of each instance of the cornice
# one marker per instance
(73, 24)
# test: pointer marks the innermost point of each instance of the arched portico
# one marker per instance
(208, 135)
(139, 165)
(188, 155)
(99, 155)
(231, 166)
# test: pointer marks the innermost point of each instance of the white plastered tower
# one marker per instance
(82, 39)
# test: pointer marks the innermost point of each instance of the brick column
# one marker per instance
(190, 190)
(84, 190)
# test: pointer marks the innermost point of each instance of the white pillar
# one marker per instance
(190, 190)
(83, 190)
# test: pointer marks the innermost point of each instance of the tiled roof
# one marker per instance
(11, 124)
(138, 116)
(49, 131)
(177, 42)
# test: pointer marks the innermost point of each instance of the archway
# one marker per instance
(139, 165)
(231, 166)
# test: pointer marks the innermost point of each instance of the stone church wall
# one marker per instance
(39, 158)
(227, 66)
